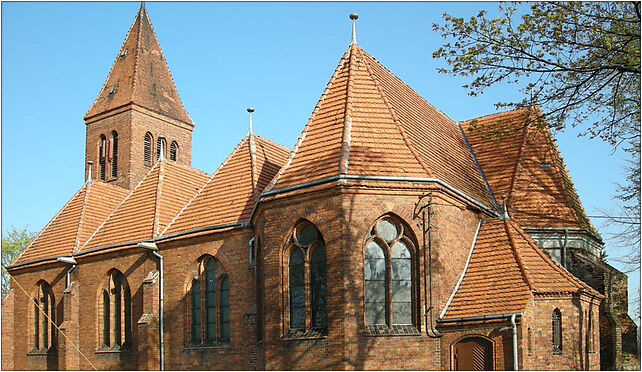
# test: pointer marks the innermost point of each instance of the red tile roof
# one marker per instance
(369, 122)
(505, 266)
(140, 76)
(231, 193)
(70, 228)
(512, 164)
(151, 206)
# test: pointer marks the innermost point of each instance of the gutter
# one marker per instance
(340, 177)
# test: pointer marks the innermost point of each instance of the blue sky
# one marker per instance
(224, 57)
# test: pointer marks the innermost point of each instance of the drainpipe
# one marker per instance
(515, 358)
(154, 249)
(73, 263)
(435, 333)
(564, 247)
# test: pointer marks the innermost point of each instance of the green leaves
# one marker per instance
(13, 242)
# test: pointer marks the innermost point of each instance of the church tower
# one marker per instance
(137, 116)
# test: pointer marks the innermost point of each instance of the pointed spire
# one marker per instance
(89, 164)
(250, 110)
(142, 6)
(354, 17)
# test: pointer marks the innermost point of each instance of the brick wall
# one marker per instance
(7, 330)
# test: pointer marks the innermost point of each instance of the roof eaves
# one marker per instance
(395, 118)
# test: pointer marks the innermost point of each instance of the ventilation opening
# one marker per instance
(112, 90)
(545, 165)
(123, 53)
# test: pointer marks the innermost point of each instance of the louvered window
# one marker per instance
(161, 144)
(114, 154)
(210, 305)
(388, 274)
(102, 153)
(43, 317)
(173, 151)
(557, 331)
(147, 149)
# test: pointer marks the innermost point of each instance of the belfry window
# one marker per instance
(173, 151)
(307, 276)
(114, 154)
(209, 300)
(115, 299)
(161, 144)
(557, 331)
(388, 279)
(102, 154)
(147, 149)
(43, 317)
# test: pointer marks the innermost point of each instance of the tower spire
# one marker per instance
(354, 17)
(250, 131)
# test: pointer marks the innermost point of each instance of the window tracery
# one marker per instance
(210, 305)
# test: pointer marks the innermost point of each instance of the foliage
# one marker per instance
(579, 62)
(13, 242)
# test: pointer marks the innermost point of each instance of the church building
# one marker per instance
(389, 237)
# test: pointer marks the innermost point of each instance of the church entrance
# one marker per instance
(473, 354)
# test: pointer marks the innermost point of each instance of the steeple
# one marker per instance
(140, 76)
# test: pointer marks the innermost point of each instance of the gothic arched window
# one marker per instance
(43, 317)
(388, 278)
(307, 276)
(116, 312)
(161, 144)
(173, 151)
(556, 321)
(209, 299)
(102, 154)
(114, 154)
(147, 149)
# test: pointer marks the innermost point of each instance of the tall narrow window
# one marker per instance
(161, 144)
(557, 331)
(210, 305)
(114, 154)
(173, 151)
(388, 279)
(307, 276)
(116, 312)
(102, 153)
(43, 316)
(147, 149)
(106, 312)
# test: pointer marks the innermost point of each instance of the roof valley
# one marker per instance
(82, 214)
(157, 201)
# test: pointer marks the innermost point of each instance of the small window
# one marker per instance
(557, 331)
(114, 154)
(147, 149)
(102, 154)
(210, 305)
(173, 151)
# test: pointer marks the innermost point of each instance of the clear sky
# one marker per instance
(224, 57)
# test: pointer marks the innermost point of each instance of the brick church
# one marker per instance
(389, 237)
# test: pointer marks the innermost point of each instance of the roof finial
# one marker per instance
(161, 156)
(250, 110)
(354, 17)
(142, 5)
(89, 164)
(505, 216)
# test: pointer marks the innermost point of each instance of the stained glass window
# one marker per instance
(196, 311)
(297, 290)
(224, 304)
(375, 283)
(318, 275)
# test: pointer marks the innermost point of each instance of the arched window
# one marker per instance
(388, 279)
(307, 277)
(173, 151)
(102, 153)
(116, 312)
(43, 317)
(210, 305)
(114, 154)
(161, 144)
(557, 331)
(147, 149)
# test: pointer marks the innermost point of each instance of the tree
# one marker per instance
(13, 242)
(579, 62)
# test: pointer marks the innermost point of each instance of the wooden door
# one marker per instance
(473, 354)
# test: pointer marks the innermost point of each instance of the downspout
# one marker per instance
(515, 357)
(73, 263)
(161, 341)
(435, 333)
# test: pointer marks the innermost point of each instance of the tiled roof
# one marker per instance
(73, 225)
(537, 196)
(140, 76)
(151, 206)
(505, 266)
(369, 122)
(232, 191)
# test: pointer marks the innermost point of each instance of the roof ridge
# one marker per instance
(157, 196)
(131, 27)
(118, 207)
(342, 62)
(346, 136)
(238, 146)
(496, 113)
(35, 239)
(518, 257)
(82, 214)
(252, 149)
(394, 116)
(136, 57)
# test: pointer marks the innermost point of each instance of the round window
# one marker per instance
(387, 230)
(306, 235)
